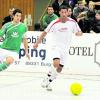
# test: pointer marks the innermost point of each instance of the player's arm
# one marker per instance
(43, 34)
(2, 30)
(78, 33)
(77, 30)
(25, 43)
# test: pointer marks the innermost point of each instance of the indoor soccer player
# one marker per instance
(61, 30)
(14, 32)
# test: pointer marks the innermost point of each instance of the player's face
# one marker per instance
(17, 17)
(63, 14)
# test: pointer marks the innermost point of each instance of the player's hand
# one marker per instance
(79, 34)
(28, 56)
(35, 45)
(1, 39)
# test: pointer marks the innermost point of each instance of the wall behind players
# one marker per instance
(27, 7)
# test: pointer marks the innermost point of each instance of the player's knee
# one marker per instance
(59, 69)
(56, 62)
(9, 60)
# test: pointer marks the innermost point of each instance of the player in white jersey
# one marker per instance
(61, 30)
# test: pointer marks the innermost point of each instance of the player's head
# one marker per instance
(63, 11)
(17, 13)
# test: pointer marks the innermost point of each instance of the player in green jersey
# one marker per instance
(14, 34)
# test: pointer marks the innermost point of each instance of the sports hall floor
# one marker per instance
(26, 85)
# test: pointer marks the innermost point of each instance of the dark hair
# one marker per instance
(63, 7)
(17, 11)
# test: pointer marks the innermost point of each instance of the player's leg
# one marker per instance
(61, 62)
(6, 58)
(51, 75)
(58, 63)
(6, 62)
(57, 69)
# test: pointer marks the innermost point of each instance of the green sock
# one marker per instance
(3, 66)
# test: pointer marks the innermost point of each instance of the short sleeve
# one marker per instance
(3, 30)
(50, 27)
(76, 28)
(25, 33)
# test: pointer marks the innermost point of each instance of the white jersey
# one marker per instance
(62, 32)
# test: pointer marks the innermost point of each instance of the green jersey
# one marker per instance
(13, 36)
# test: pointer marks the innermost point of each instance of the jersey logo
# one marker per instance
(15, 34)
(63, 29)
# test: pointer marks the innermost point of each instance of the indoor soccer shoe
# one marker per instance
(48, 87)
(45, 83)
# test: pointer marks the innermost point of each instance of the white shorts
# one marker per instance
(60, 53)
(5, 53)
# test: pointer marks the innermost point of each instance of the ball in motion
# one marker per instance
(76, 88)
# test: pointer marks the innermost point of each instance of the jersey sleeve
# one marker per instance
(76, 28)
(25, 33)
(50, 27)
(3, 30)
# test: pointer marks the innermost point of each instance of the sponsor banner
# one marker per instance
(39, 56)
(84, 52)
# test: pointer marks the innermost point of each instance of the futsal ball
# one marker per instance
(76, 88)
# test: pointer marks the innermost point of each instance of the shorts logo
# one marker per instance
(97, 53)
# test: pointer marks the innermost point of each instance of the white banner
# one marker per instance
(84, 53)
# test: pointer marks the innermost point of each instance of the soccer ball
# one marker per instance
(76, 88)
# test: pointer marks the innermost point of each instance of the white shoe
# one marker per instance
(45, 83)
(49, 88)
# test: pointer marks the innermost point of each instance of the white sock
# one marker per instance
(52, 74)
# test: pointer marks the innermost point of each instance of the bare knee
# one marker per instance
(56, 63)
(59, 69)
(9, 60)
